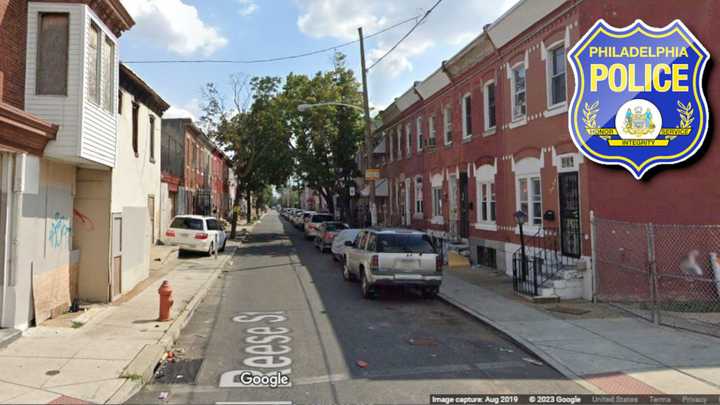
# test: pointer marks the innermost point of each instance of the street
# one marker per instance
(282, 306)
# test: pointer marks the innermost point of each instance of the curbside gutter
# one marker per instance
(525, 344)
(141, 368)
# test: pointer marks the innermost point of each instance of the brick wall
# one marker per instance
(13, 27)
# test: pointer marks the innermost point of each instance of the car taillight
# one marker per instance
(201, 235)
(170, 234)
(329, 236)
(374, 263)
(438, 263)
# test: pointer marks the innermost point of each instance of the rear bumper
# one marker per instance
(406, 279)
(201, 246)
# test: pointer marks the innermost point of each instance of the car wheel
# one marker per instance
(430, 292)
(211, 249)
(365, 287)
(334, 256)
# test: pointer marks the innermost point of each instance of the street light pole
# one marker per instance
(368, 131)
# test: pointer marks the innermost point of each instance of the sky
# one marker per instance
(257, 29)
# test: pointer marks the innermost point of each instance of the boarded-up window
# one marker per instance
(152, 139)
(135, 112)
(108, 74)
(52, 54)
(93, 70)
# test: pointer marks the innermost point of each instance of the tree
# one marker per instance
(325, 138)
(253, 134)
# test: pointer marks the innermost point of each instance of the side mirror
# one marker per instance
(349, 243)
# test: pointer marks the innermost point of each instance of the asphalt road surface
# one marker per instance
(281, 306)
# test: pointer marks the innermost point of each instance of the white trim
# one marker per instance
(485, 226)
(432, 132)
(518, 123)
(408, 139)
(486, 107)
(557, 161)
(447, 124)
(556, 110)
(436, 180)
(419, 133)
(466, 133)
(523, 117)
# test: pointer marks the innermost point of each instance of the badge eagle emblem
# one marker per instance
(638, 99)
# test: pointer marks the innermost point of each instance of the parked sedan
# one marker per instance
(385, 257)
(338, 244)
(313, 223)
(196, 233)
(326, 233)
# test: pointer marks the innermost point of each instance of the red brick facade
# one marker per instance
(13, 27)
(673, 194)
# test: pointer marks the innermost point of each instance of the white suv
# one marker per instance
(196, 233)
(384, 257)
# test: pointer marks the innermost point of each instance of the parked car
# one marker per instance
(385, 257)
(338, 244)
(313, 223)
(304, 218)
(326, 232)
(298, 218)
(196, 233)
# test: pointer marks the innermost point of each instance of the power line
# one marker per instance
(417, 24)
(276, 59)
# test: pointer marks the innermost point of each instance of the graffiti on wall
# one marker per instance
(59, 230)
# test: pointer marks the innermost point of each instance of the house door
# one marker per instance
(569, 214)
(464, 202)
(452, 191)
(116, 276)
(151, 215)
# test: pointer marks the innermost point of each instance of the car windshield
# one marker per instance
(194, 224)
(334, 226)
(404, 243)
(349, 234)
(322, 218)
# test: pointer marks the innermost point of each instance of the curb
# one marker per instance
(145, 361)
(525, 344)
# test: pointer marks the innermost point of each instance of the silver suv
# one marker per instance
(383, 257)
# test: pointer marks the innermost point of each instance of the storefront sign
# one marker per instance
(638, 99)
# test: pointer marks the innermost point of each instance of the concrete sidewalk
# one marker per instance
(613, 355)
(108, 352)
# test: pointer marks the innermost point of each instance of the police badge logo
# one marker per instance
(638, 99)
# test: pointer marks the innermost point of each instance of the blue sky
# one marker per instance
(252, 29)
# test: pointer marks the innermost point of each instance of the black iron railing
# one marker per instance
(542, 261)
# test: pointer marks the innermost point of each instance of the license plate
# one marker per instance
(184, 235)
(408, 277)
(405, 264)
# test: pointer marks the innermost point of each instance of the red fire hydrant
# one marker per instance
(166, 301)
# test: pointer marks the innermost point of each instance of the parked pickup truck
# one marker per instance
(384, 257)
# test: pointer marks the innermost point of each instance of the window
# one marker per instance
(120, 102)
(489, 106)
(437, 201)
(108, 74)
(213, 225)
(447, 125)
(399, 143)
(530, 198)
(404, 243)
(556, 71)
(419, 134)
(408, 138)
(93, 69)
(519, 107)
(486, 197)
(467, 116)
(418, 195)
(152, 138)
(195, 224)
(431, 130)
(390, 145)
(52, 54)
(135, 112)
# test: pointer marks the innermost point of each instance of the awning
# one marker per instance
(20, 130)
(380, 148)
(381, 189)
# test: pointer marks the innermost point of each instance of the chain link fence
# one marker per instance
(668, 274)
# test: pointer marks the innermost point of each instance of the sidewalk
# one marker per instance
(108, 352)
(601, 349)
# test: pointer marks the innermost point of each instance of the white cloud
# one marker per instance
(247, 7)
(452, 24)
(176, 25)
(190, 110)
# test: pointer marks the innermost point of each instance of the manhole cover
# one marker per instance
(178, 372)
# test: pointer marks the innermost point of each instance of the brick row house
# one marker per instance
(485, 136)
(195, 172)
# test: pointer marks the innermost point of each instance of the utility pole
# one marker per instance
(368, 132)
